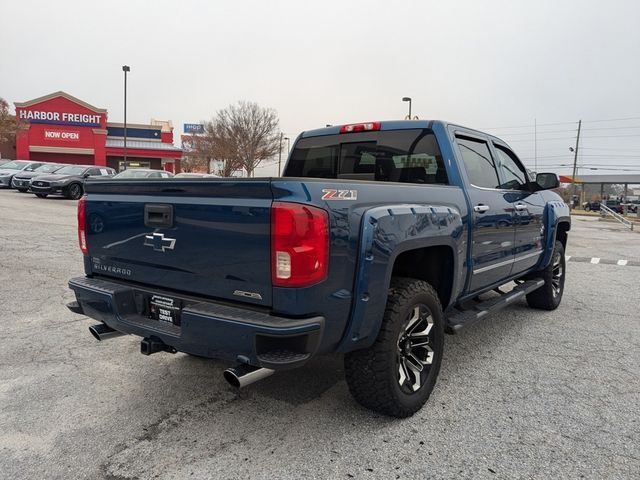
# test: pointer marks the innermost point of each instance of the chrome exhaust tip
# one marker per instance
(242, 375)
(102, 331)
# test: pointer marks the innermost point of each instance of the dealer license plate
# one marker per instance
(165, 309)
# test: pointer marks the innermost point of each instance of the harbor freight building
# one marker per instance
(62, 128)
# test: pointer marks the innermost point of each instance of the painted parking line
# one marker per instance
(602, 261)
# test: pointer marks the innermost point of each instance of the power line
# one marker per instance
(544, 139)
(612, 149)
(507, 134)
(590, 155)
(563, 123)
(530, 126)
(612, 120)
(612, 128)
(531, 133)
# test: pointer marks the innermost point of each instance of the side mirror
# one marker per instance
(547, 181)
(85, 175)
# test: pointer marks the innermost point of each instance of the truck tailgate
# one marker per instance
(205, 237)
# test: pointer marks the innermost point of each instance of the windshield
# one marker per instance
(407, 156)
(15, 165)
(132, 173)
(48, 168)
(71, 170)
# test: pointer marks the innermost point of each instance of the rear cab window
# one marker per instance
(404, 156)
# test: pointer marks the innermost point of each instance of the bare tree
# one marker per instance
(251, 133)
(192, 158)
(217, 143)
(9, 125)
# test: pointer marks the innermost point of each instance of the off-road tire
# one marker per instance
(549, 296)
(41, 195)
(372, 373)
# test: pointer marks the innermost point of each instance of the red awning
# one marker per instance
(567, 179)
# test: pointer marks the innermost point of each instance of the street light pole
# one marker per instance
(280, 152)
(125, 69)
(575, 161)
(408, 99)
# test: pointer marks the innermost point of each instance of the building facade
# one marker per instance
(62, 128)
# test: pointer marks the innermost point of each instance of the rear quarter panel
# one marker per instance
(366, 235)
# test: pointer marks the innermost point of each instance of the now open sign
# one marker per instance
(62, 135)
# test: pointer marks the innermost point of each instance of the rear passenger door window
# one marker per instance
(478, 163)
(514, 175)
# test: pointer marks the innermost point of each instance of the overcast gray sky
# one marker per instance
(480, 63)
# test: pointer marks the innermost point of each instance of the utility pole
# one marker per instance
(575, 160)
(535, 145)
(280, 153)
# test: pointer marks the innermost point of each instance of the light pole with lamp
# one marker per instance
(125, 69)
(280, 151)
(408, 99)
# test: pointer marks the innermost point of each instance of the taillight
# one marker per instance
(299, 244)
(360, 127)
(82, 226)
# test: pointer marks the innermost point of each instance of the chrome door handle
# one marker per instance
(520, 206)
(481, 208)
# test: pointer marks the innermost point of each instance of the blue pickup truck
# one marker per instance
(380, 238)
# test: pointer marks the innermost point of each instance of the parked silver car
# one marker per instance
(22, 180)
(8, 170)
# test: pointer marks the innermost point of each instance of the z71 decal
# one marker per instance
(333, 194)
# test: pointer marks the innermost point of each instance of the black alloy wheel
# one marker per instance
(74, 191)
(396, 375)
(549, 296)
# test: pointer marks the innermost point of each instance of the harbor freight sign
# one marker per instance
(37, 116)
(193, 128)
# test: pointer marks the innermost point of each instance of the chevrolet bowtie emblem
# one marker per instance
(158, 242)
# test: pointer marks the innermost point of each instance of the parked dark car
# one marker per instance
(632, 206)
(143, 173)
(8, 170)
(68, 181)
(614, 205)
(22, 180)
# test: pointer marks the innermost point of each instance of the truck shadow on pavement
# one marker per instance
(308, 383)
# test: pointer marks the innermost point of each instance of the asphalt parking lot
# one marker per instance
(524, 394)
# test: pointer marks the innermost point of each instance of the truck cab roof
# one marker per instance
(392, 125)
